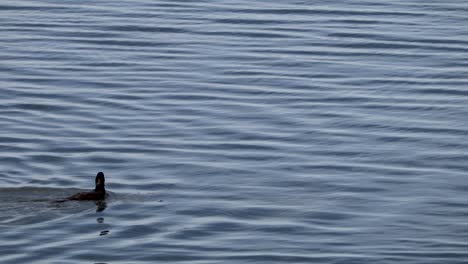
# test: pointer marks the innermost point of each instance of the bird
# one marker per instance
(99, 192)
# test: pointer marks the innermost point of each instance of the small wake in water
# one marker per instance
(32, 205)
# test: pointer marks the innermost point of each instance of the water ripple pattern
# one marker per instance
(235, 131)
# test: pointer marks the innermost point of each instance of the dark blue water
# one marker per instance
(234, 131)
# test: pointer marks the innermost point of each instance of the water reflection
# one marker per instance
(103, 233)
(100, 220)
(100, 206)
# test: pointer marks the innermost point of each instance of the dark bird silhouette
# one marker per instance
(99, 192)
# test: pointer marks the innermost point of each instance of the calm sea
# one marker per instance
(245, 131)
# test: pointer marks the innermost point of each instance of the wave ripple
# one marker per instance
(234, 131)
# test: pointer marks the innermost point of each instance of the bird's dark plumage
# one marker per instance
(99, 192)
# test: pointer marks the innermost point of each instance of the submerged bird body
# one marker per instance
(99, 192)
(88, 196)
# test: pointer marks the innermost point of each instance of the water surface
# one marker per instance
(234, 131)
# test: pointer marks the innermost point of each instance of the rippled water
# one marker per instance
(234, 131)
